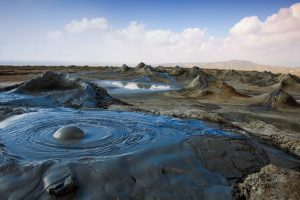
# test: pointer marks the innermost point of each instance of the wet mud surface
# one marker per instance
(129, 134)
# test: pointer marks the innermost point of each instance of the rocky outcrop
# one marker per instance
(60, 181)
(270, 183)
(53, 89)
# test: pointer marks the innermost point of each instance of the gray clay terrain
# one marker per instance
(148, 133)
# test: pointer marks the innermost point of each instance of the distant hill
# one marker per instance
(240, 65)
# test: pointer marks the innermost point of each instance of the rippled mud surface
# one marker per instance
(122, 155)
(108, 133)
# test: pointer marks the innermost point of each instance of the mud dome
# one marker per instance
(69, 133)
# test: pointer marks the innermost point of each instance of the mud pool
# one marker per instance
(122, 155)
(107, 133)
(134, 86)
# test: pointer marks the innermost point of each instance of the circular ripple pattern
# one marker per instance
(108, 133)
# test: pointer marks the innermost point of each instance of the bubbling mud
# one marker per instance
(69, 133)
(101, 134)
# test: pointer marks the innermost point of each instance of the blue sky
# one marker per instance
(217, 16)
(22, 21)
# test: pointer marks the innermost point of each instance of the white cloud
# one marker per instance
(159, 45)
(54, 34)
(86, 25)
(275, 40)
(285, 25)
(248, 25)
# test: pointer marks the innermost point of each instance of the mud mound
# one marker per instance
(124, 68)
(195, 71)
(275, 100)
(144, 69)
(161, 69)
(185, 75)
(264, 79)
(230, 74)
(51, 81)
(289, 82)
(260, 79)
(207, 86)
(190, 73)
(177, 71)
(201, 81)
(289, 79)
(256, 78)
(57, 89)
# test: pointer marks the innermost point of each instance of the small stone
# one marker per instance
(60, 181)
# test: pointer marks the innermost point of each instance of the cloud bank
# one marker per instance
(275, 40)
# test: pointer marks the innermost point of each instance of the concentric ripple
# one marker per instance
(108, 133)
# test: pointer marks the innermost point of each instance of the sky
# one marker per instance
(153, 31)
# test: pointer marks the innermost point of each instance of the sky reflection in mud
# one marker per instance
(125, 87)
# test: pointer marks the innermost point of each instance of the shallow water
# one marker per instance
(133, 87)
(10, 96)
(108, 133)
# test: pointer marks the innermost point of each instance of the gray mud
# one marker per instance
(131, 132)
(53, 89)
(121, 154)
(140, 157)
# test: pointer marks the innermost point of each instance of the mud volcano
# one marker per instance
(53, 89)
(207, 86)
